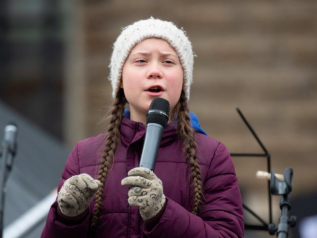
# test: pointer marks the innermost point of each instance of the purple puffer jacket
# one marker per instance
(220, 216)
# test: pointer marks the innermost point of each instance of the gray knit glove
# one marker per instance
(76, 194)
(146, 192)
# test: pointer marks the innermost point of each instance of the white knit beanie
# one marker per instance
(151, 28)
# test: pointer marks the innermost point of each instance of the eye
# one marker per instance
(168, 62)
(141, 61)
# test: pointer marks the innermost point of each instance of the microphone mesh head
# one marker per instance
(158, 112)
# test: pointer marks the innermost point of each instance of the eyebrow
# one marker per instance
(147, 54)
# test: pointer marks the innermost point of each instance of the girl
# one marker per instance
(193, 191)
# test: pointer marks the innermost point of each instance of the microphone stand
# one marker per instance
(7, 153)
(283, 188)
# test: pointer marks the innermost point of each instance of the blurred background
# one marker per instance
(260, 56)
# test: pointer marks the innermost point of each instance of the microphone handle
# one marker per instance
(151, 145)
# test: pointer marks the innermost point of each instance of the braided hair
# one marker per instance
(111, 145)
(185, 133)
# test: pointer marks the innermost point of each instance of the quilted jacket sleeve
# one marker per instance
(220, 216)
(56, 226)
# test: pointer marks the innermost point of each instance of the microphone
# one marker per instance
(10, 137)
(156, 121)
(9, 144)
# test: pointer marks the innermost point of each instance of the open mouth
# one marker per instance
(155, 89)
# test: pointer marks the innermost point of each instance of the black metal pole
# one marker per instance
(252, 131)
(8, 151)
(7, 156)
(282, 228)
(266, 154)
(269, 190)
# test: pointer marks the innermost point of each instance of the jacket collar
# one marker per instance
(193, 119)
(132, 131)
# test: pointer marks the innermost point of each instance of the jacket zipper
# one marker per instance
(129, 221)
(142, 231)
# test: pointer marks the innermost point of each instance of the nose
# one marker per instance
(154, 72)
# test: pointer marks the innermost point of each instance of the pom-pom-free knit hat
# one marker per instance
(151, 28)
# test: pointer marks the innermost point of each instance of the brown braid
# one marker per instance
(111, 144)
(186, 133)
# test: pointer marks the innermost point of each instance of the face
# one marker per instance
(152, 70)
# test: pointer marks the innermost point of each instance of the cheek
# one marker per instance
(176, 82)
(128, 78)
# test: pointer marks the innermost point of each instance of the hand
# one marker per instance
(76, 194)
(146, 192)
